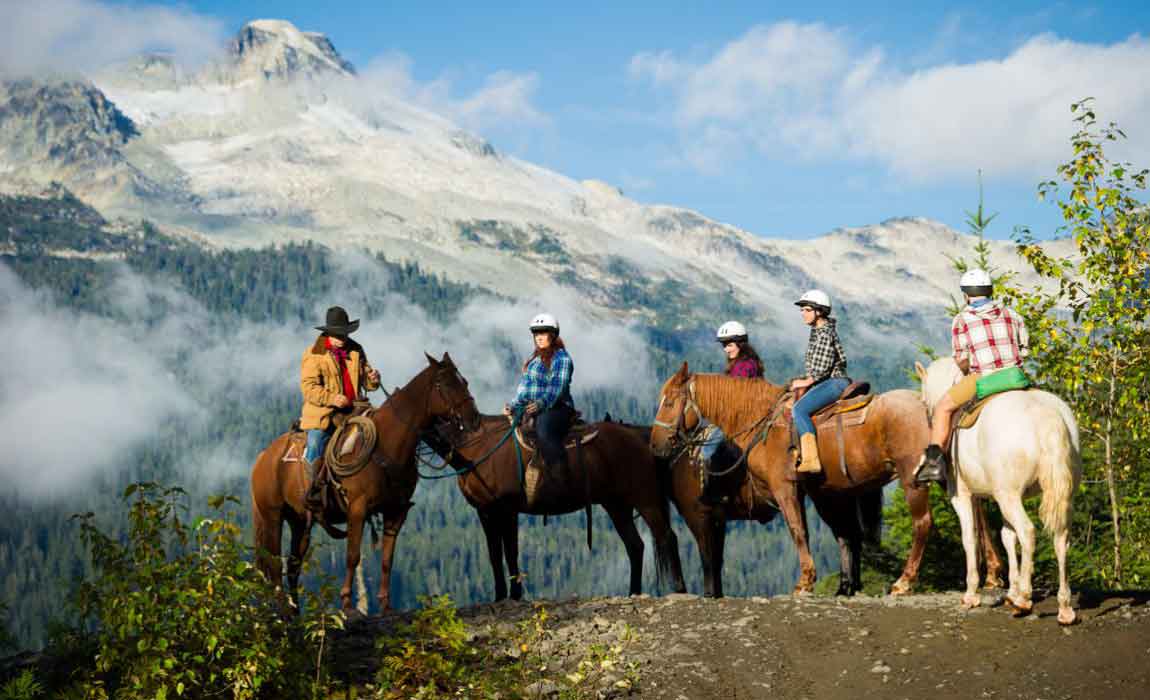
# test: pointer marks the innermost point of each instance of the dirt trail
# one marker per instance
(923, 646)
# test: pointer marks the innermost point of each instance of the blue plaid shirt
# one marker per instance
(546, 388)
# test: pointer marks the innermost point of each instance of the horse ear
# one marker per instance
(431, 360)
(447, 359)
(920, 370)
(683, 373)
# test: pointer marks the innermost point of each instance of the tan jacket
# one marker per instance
(320, 382)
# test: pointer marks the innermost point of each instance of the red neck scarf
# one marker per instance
(340, 355)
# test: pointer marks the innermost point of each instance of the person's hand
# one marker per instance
(341, 401)
(532, 408)
(373, 376)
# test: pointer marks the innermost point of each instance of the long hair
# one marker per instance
(746, 351)
(546, 354)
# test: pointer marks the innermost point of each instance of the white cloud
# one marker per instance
(80, 35)
(79, 393)
(504, 100)
(809, 92)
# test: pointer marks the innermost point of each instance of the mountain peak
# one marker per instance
(276, 49)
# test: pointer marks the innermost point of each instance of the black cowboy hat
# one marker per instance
(338, 323)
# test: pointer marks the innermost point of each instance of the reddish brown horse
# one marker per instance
(616, 470)
(886, 446)
(384, 486)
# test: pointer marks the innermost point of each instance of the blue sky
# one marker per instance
(785, 119)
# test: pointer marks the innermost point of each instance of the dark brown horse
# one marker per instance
(886, 446)
(616, 470)
(384, 486)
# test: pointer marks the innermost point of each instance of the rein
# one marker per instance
(473, 465)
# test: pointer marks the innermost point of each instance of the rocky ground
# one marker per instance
(690, 648)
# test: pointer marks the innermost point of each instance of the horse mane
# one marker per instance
(733, 401)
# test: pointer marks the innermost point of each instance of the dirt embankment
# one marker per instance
(923, 646)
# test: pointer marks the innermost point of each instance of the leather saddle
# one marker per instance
(851, 402)
(580, 433)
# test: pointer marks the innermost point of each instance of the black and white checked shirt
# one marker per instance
(825, 358)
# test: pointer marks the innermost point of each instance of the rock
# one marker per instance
(542, 689)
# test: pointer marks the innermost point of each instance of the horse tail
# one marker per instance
(869, 507)
(1060, 470)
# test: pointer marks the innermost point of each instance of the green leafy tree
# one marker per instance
(1090, 335)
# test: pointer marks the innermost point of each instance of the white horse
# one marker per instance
(1024, 441)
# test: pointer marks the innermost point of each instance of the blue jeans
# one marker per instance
(316, 441)
(818, 396)
(712, 440)
(552, 426)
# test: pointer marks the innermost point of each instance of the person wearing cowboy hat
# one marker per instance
(826, 377)
(332, 373)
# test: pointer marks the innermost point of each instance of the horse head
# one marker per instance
(678, 416)
(937, 379)
(450, 397)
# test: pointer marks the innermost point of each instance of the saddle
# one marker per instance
(348, 451)
(849, 410)
(580, 433)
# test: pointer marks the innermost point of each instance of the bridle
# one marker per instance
(681, 438)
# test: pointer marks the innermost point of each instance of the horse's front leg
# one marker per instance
(790, 502)
(392, 523)
(356, 516)
(918, 502)
(965, 509)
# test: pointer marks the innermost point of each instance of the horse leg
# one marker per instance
(787, 496)
(833, 510)
(494, 552)
(717, 535)
(509, 533)
(986, 545)
(963, 506)
(666, 544)
(300, 543)
(392, 524)
(269, 543)
(918, 501)
(1066, 614)
(621, 516)
(355, 520)
(1014, 513)
(1010, 543)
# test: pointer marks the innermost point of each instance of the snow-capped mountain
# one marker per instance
(280, 140)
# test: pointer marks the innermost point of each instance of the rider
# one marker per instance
(545, 390)
(742, 361)
(987, 338)
(826, 377)
(332, 372)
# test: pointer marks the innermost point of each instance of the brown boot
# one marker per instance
(809, 446)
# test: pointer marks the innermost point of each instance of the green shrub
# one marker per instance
(179, 610)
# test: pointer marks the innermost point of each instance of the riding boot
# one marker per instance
(313, 501)
(809, 446)
(933, 466)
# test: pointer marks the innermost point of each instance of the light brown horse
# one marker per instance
(384, 486)
(616, 470)
(886, 446)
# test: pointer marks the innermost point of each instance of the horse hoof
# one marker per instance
(801, 591)
(971, 600)
(1021, 608)
(993, 583)
(1067, 616)
(900, 587)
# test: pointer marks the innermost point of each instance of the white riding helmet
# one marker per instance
(731, 330)
(816, 298)
(544, 322)
(976, 283)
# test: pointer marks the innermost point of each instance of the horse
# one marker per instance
(1022, 442)
(615, 470)
(383, 487)
(886, 446)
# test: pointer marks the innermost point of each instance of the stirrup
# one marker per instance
(932, 467)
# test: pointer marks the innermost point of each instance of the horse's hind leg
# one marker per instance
(300, 543)
(1015, 514)
(494, 552)
(986, 545)
(1066, 614)
(918, 502)
(625, 526)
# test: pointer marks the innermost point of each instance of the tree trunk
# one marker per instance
(1110, 485)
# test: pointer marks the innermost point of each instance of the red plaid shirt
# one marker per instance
(991, 336)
